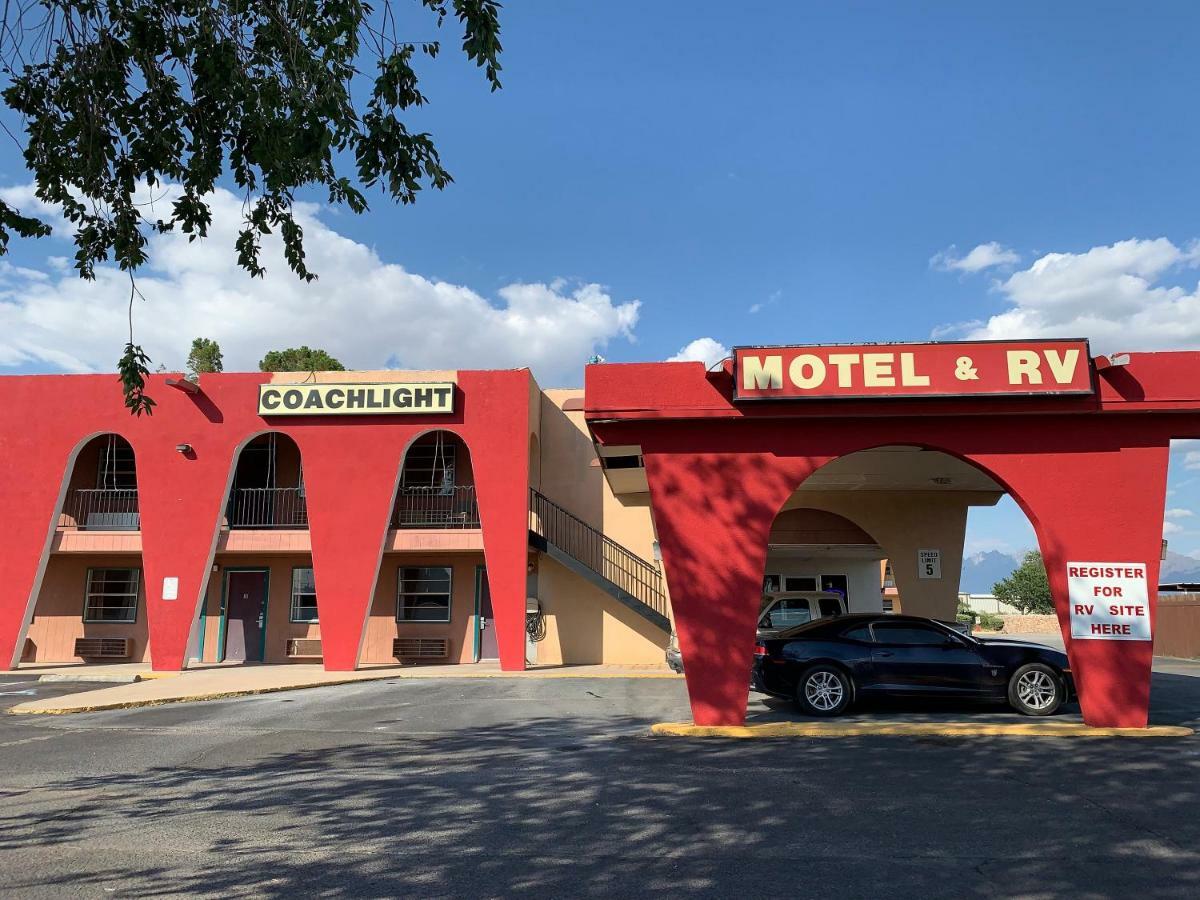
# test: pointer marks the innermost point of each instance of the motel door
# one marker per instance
(488, 646)
(245, 615)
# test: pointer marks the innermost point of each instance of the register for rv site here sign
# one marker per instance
(1109, 601)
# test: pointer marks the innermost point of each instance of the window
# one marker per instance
(429, 465)
(424, 594)
(799, 583)
(304, 596)
(912, 635)
(858, 633)
(112, 595)
(116, 468)
(787, 613)
(829, 606)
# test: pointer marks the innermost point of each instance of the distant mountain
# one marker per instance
(1178, 567)
(982, 570)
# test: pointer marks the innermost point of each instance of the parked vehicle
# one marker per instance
(779, 612)
(827, 665)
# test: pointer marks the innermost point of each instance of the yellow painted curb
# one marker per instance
(27, 709)
(913, 729)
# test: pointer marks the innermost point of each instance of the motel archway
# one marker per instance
(1083, 452)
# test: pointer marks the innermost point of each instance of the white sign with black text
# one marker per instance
(1109, 601)
(929, 564)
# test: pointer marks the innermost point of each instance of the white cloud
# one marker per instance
(1178, 513)
(1171, 528)
(367, 312)
(984, 256)
(1113, 294)
(704, 350)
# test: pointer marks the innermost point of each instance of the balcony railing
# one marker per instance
(437, 507)
(267, 508)
(101, 509)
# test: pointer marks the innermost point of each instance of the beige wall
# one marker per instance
(584, 625)
(58, 613)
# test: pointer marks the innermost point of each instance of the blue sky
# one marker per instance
(791, 172)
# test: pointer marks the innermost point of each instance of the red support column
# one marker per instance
(714, 513)
(180, 498)
(351, 489)
(498, 438)
(1096, 506)
(34, 470)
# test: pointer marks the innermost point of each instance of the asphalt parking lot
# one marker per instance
(502, 787)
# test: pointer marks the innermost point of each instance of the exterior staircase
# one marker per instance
(619, 572)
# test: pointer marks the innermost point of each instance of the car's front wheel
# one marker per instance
(1035, 689)
(823, 691)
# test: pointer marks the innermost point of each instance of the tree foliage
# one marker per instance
(1027, 588)
(117, 98)
(299, 359)
(205, 356)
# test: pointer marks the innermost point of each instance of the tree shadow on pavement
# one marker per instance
(563, 807)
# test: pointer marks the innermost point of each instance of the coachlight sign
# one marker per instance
(960, 369)
(422, 398)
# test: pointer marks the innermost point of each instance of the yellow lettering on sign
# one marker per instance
(844, 363)
(1024, 367)
(877, 370)
(816, 371)
(760, 373)
(1063, 368)
(908, 372)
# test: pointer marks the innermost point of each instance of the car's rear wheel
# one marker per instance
(1035, 689)
(823, 691)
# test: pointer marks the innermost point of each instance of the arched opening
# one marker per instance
(914, 504)
(102, 490)
(437, 484)
(268, 485)
(91, 604)
(884, 530)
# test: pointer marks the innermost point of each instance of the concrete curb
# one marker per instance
(23, 709)
(912, 729)
(91, 679)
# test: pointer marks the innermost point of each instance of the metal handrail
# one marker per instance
(267, 508)
(437, 507)
(604, 556)
(101, 509)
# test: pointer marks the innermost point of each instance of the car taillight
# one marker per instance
(760, 649)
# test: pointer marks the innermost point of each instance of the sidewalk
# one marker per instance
(219, 682)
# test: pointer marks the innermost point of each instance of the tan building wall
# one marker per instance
(382, 626)
(58, 612)
(584, 625)
(279, 604)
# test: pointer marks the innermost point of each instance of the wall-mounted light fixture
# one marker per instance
(185, 450)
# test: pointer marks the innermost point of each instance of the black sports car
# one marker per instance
(826, 665)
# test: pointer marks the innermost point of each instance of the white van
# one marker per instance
(792, 608)
(779, 612)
